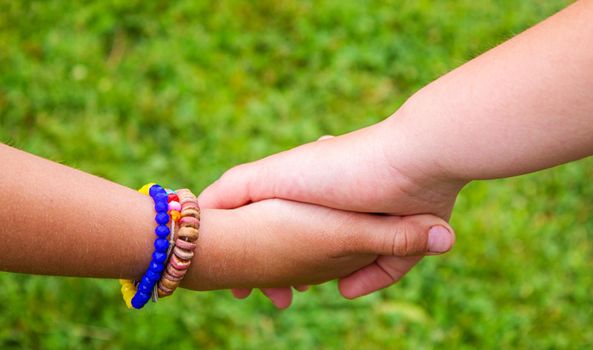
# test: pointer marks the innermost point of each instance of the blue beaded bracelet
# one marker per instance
(150, 278)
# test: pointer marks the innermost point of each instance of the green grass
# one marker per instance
(128, 89)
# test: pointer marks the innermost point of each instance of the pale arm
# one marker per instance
(520, 107)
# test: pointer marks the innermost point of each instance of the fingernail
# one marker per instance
(440, 239)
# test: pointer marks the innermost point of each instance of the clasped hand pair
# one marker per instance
(377, 216)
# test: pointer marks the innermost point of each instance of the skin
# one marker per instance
(69, 223)
(523, 106)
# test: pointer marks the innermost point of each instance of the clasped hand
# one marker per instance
(299, 244)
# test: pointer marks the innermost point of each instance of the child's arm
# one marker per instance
(60, 221)
(522, 106)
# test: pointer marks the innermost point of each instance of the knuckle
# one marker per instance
(408, 238)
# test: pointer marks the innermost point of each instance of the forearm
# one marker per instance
(61, 221)
(522, 106)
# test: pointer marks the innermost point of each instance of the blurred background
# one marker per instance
(128, 89)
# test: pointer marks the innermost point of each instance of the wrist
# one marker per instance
(418, 163)
(415, 148)
(204, 272)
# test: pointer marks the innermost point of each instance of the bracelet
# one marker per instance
(181, 209)
(183, 249)
(137, 294)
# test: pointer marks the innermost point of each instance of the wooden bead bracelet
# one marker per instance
(184, 244)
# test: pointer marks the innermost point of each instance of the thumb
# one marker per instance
(399, 241)
(286, 175)
(405, 236)
(326, 172)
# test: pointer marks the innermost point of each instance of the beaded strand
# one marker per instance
(174, 213)
(136, 295)
(184, 244)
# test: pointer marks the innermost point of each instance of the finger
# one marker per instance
(303, 288)
(325, 137)
(280, 297)
(241, 293)
(401, 236)
(385, 271)
(295, 175)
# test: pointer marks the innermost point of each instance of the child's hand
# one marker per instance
(278, 243)
(350, 172)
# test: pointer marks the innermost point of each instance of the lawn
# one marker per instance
(128, 89)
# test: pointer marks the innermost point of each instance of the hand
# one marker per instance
(370, 170)
(278, 243)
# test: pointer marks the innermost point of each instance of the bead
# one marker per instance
(152, 275)
(163, 294)
(126, 282)
(127, 289)
(174, 272)
(174, 205)
(184, 244)
(178, 263)
(168, 284)
(161, 244)
(175, 215)
(184, 192)
(189, 221)
(161, 218)
(160, 197)
(144, 287)
(162, 231)
(161, 207)
(190, 206)
(155, 189)
(145, 282)
(167, 275)
(191, 212)
(187, 205)
(128, 299)
(156, 267)
(140, 299)
(183, 254)
(146, 188)
(189, 233)
(145, 296)
(189, 202)
(164, 291)
(172, 197)
(159, 257)
(183, 198)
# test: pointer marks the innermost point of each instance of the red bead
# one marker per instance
(172, 197)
